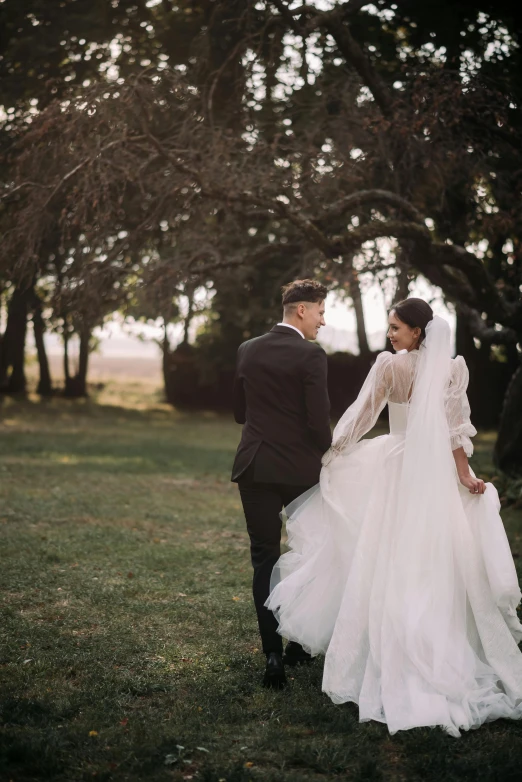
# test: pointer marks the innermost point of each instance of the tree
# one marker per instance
(69, 46)
(390, 139)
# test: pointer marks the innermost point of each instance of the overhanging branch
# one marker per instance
(379, 229)
(373, 197)
(480, 329)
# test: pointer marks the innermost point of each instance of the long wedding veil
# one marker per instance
(427, 594)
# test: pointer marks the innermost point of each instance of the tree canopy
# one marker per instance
(237, 144)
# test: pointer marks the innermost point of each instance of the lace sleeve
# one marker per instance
(362, 415)
(457, 408)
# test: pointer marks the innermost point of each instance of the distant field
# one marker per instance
(127, 380)
(108, 367)
(128, 640)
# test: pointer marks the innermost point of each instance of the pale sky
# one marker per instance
(118, 339)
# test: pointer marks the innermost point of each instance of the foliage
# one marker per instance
(379, 139)
(510, 490)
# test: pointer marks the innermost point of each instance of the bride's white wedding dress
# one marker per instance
(400, 576)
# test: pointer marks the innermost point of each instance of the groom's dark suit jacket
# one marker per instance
(281, 397)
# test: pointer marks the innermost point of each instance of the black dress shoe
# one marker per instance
(275, 676)
(296, 655)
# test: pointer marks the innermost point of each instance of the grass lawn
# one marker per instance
(128, 635)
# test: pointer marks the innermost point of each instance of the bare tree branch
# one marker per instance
(354, 6)
(81, 165)
(480, 329)
(354, 54)
(332, 21)
(21, 186)
(481, 283)
(354, 239)
(354, 200)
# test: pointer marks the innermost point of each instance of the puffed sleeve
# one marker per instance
(362, 415)
(457, 408)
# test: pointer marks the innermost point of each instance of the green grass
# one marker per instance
(128, 636)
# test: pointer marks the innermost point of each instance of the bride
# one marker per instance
(399, 569)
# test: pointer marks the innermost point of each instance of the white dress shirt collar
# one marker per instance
(289, 326)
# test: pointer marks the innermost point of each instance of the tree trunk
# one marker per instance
(83, 360)
(224, 75)
(508, 448)
(355, 292)
(12, 369)
(167, 374)
(485, 397)
(188, 319)
(45, 386)
(76, 385)
(402, 289)
(4, 361)
(66, 369)
(464, 342)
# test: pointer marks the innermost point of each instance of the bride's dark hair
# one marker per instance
(415, 313)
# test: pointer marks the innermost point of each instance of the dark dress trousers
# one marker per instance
(281, 397)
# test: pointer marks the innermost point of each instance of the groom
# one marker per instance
(281, 397)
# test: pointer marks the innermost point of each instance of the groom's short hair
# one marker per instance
(303, 290)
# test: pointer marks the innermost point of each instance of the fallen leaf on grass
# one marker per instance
(249, 764)
(124, 721)
(236, 598)
(93, 733)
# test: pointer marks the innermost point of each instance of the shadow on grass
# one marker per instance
(65, 453)
(63, 409)
(114, 709)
